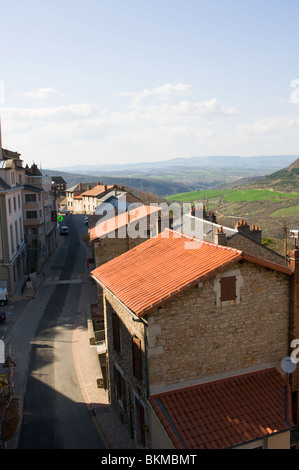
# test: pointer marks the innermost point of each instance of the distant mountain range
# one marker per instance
(257, 162)
(180, 175)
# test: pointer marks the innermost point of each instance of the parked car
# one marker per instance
(64, 230)
(3, 296)
(2, 316)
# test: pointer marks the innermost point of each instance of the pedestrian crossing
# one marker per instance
(54, 279)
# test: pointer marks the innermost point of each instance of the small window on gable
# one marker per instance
(228, 288)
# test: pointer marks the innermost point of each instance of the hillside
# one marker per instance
(286, 179)
(271, 202)
(159, 187)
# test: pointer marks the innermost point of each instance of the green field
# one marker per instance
(247, 195)
(287, 211)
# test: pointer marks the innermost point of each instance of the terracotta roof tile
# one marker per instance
(96, 190)
(265, 394)
(183, 262)
(144, 286)
(102, 229)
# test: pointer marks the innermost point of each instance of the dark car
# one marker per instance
(2, 316)
(64, 230)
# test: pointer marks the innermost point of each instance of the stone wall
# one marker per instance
(123, 360)
(107, 248)
(194, 336)
(252, 247)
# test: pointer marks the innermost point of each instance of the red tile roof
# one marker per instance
(96, 190)
(226, 412)
(102, 229)
(163, 266)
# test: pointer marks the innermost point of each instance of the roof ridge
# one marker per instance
(204, 242)
(214, 381)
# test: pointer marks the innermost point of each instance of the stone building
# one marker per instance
(40, 217)
(195, 336)
(84, 197)
(12, 238)
(243, 236)
(58, 186)
(113, 235)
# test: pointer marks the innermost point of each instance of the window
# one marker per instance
(21, 228)
(31, 214)
(120, 387)
(17, 235)
(115, 332)
(11, 239)
(30, 197)
(14, 204)
(228, 288)
(19, 201)
(137, 357)
(9, 206)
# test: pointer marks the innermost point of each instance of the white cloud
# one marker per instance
(41, 93)
(272, 126)
(62, 112)
(163, 92)
(155, 123)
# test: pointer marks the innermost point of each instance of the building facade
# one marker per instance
(12, 244)
(179, 316)
(40, 218)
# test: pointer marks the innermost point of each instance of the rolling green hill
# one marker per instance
(270, 203)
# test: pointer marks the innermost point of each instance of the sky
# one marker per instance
(91, 82)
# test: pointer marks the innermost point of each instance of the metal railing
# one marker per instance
(99, 336)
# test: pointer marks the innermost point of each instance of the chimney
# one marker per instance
(220, 237)
(243, 227)
(98, 183)
(256, 234)
(80, 186)
(105, 187)
(294, 311)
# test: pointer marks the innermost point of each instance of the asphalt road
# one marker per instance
(54, 413)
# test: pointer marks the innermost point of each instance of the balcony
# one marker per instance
(100, 341)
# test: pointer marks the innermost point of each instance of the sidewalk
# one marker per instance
(114, 434)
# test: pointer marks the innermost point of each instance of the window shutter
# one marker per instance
(137, 361)
(228, 288)
(115, 332)
(124, 393)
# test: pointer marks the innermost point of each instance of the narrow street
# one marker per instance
(55, 415)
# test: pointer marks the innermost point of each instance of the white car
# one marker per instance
(3, 296)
